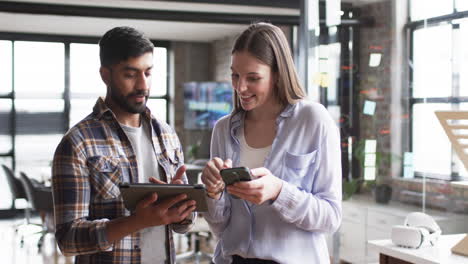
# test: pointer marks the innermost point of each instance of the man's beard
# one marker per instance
(124, 102)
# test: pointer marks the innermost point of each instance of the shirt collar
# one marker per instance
(237, 118)
(101, 110)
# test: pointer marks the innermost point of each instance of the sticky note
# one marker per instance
(374, 59)
(369, 107)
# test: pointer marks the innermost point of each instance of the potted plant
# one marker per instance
(380, 187)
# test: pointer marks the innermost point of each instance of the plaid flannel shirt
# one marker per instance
(89, 163)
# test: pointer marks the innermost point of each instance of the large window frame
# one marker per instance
(11, 156)
(453, 102)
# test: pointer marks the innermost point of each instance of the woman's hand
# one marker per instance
(212, 179)
(265, 187)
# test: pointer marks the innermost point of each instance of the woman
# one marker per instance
(292, 146)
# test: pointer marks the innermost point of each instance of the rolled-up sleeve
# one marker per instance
(75, 233)
(219, 211)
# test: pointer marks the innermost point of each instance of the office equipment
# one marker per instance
(205, 103)
(418, 230)
(135, 192)
(233, 175)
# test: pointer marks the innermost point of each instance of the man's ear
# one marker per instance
(105, 75)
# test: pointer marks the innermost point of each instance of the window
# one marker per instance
(439, 72)
(423, 9)
(86, 84)
(53, 84)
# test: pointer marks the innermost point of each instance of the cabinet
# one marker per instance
(365, 220)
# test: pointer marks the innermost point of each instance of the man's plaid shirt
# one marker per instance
(89, 163)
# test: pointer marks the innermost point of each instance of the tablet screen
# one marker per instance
(135, 192)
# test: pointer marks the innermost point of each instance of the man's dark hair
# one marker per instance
(121, 43)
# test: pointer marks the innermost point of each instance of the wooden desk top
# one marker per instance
(440, 253)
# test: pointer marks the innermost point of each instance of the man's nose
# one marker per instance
(143, 82)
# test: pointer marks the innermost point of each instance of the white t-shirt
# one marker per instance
(153, 239)
(251, 157)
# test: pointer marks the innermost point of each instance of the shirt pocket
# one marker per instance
(297, 166)
(105, 176)
(174, 156)
(174, 161)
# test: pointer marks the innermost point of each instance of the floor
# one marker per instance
(15, 252)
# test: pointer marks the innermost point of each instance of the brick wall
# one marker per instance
(441, 195)
(222, 58)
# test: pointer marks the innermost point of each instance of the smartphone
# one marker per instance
(233, 175)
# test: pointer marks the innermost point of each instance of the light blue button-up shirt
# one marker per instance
(306, 155)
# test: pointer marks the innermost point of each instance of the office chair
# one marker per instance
(16, 187)
(17, 192)
(40, 199)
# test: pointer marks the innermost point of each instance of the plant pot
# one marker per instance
(383, 193)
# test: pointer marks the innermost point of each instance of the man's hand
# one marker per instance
(164, 212)
(148, 214)
(212, 179)
(265, 187)
(177, 178)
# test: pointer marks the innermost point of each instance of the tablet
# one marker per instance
(132, 193)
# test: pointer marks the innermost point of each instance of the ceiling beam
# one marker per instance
(264, 3)
(143, 14)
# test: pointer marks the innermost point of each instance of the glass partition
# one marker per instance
(382, 73)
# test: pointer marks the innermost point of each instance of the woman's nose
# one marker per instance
(241, 85)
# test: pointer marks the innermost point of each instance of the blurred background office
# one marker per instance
(381, 67)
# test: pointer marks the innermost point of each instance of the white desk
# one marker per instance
(440, 253)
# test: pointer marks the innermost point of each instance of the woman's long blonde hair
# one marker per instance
(268, 44)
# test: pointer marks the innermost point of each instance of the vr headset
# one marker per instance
(419, 230)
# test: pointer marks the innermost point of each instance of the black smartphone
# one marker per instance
(233, 175)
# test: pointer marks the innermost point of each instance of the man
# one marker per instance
(120, 141)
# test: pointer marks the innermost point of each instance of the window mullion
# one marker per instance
(66, 92)
(456, 63)
(13, 108)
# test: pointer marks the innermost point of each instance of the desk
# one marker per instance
(440, 253)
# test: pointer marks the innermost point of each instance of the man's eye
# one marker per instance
(147, 74)
(253, 79)
(129, 76)
(234, 76)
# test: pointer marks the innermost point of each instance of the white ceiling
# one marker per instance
(162, 30)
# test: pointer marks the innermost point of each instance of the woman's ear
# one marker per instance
(105, 75)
